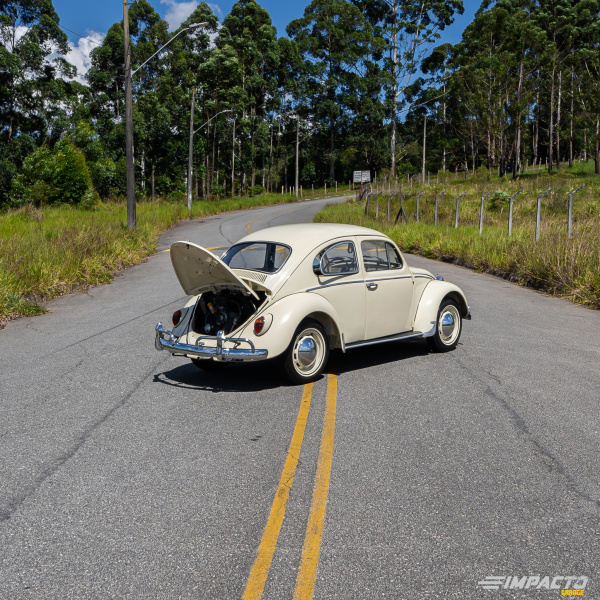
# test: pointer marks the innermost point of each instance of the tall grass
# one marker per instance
(568, 267)
(48, 252)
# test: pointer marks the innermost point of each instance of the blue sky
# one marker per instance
(93, 19)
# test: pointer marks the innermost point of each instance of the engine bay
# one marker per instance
(225, 311)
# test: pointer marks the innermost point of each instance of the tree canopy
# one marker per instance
(354, 85)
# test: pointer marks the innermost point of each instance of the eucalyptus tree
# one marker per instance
(411, 28)
(587, 58)
(332, 36)
(32, 47)
(248, 30)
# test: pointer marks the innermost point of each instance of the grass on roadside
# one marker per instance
(559, 265)
(45, 253)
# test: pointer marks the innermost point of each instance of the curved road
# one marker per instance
(128, 473)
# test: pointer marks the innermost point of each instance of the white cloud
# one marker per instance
(79, 55)
(178, 12)
(216, 9)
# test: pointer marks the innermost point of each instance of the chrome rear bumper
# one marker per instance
(218, 352)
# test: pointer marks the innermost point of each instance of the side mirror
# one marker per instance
(317, 267)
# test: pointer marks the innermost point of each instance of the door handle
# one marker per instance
(371, 286)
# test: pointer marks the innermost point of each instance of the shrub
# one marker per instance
(50, 177)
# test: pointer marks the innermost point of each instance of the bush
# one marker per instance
(104, 176)
(256, 190)
(50, 177)
(8, 171)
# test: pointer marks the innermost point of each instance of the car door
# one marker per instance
(389, 289)
(342, 284)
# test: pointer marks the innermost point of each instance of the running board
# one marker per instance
(390, 338)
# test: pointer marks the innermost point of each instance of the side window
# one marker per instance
(379, 255)
(395, 260)
(374, 255)
(339, 259)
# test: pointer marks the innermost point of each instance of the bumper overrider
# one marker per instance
(165, 340)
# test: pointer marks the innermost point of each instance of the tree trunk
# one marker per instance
(394, 88)
(518, 123)
(571, 118)
(558, 120)
(233, 161)
(551, 129)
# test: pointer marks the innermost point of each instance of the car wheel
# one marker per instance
(207, 364)
(448, 328)
(308, 353)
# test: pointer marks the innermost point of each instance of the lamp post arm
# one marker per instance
(165, 45)
(213, 117)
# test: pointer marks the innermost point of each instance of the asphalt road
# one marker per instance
(128, 473)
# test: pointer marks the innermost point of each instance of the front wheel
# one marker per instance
(448, 329)
(308, 353)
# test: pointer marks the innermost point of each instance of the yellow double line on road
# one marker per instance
(307, 573)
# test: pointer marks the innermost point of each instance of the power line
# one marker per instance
(79, 35)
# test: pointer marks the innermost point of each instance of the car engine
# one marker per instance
(224, 311)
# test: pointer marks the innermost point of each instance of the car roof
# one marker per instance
(305, 236)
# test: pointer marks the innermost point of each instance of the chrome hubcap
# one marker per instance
(309, 351)
(449, 325)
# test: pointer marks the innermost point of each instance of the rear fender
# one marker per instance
(288, 313)
(433, 295)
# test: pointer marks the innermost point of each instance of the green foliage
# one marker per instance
(58, 176)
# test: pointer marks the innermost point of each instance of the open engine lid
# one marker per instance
(199, 270)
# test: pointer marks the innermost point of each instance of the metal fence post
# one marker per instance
(457, 209)
(481, 212)
(418, 200)
(401, 212)
(510, 212)
(538, 214)
(436, 206)
(570, 224)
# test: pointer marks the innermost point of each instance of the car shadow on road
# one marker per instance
(260, 376)
(376, 355)
(249, 377)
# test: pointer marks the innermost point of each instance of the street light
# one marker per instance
(191, 148)
(131, 216)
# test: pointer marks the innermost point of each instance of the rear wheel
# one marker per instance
(307, 356)
(448, 329)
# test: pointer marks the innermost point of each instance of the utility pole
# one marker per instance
(131, 216)
(297, 150)
(424, 145)
(191, 153)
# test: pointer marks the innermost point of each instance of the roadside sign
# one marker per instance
(362, 176)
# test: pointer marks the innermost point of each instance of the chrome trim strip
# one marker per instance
(391, 338)
(388, 278)
(329, 285)
(217, 352)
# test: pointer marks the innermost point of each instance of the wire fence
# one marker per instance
(395, 206)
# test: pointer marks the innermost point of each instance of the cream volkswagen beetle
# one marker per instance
(297, 291)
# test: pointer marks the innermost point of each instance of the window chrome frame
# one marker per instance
(323, 252)
(253, 244)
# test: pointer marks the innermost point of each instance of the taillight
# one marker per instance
(176, 318)
(258, 325)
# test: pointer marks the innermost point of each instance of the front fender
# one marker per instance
(433, 295)
(288, 313)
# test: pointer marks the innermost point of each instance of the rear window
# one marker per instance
(266, 257)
